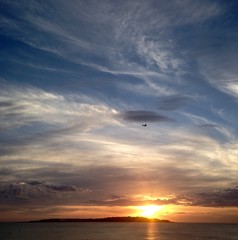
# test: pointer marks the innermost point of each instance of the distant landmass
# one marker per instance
(108, 219)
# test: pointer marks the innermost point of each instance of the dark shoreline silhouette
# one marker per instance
(107, 219)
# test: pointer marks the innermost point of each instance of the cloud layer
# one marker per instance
(79, 78)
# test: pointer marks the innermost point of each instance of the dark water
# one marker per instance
(116, 231)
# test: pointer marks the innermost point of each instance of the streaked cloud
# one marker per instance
(28, 105)
(172, 102)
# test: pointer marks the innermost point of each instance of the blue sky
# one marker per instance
(79, 78)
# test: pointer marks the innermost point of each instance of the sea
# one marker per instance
(117, 231)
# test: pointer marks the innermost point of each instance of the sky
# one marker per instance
(78, 80)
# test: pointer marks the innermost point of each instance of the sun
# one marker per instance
(149, 211)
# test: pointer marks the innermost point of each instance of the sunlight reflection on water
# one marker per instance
(152, 231)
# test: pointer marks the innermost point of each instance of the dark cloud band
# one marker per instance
(227, 197)
(33, 190)
(143, 116)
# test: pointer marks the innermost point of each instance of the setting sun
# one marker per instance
(149, 211)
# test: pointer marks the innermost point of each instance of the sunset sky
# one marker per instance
(79, 78)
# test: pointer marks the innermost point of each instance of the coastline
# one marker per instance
(107, 219)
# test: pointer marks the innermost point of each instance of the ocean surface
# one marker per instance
(117, 231)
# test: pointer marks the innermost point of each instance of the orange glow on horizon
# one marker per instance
(174, 213)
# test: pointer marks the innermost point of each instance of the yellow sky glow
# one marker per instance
(149, 211)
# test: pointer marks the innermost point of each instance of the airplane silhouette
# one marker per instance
(144, 125)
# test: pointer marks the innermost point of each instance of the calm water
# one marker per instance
(116, 231)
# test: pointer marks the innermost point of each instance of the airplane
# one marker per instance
(144, 125)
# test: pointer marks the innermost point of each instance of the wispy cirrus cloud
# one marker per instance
(129, 22)
(30, 105)
(173, 102)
